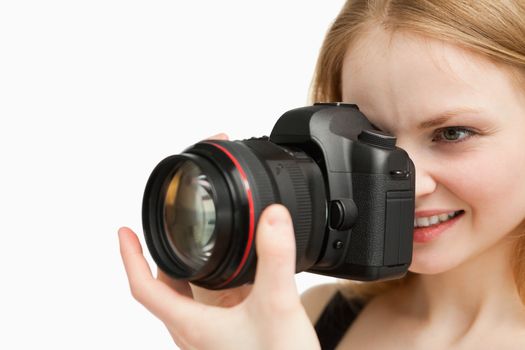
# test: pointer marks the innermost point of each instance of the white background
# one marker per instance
(93, 94)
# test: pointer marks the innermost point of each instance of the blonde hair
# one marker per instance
(494, 29)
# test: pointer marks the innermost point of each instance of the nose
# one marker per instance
(425, 183)
(425, 180)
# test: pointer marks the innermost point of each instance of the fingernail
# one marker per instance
(121, 231)
(277, 216)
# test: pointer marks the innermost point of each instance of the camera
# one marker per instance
(348, 188)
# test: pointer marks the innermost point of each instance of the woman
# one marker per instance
(447, 78)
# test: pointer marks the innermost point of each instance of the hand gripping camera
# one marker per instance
(349, 190)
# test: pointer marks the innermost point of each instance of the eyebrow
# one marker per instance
(443, 117)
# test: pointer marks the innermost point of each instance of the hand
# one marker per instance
(270, 317)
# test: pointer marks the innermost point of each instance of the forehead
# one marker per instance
(404, 74)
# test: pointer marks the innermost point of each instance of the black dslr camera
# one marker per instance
(349, 190)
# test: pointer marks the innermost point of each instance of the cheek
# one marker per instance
(491, 183)
(490, 186)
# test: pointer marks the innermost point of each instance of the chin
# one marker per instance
(431, 264)
(426, 270)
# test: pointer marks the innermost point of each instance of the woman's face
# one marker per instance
(462, 121)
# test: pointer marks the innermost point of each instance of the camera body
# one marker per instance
(370, 188)
(349, 190)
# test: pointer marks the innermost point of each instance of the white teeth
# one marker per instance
(422, 222)
(432, 220)
(443, 217)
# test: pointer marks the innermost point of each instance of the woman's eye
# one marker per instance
(452, 134)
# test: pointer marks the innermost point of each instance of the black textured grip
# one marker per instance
(303, 215)
(367, 239)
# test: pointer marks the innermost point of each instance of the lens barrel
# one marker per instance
(201, 208)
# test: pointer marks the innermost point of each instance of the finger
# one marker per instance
(221, 136)
(168, 305)
(275, 246)
(180, 286)
(225, 298)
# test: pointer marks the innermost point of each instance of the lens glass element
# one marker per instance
(189, 215)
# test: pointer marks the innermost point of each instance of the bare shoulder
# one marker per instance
(316, 298)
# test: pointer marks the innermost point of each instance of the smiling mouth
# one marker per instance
(425, 234)
(435, 220)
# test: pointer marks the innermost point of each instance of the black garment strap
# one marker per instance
(336, 319)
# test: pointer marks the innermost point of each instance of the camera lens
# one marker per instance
(189, 215)
(201, 208)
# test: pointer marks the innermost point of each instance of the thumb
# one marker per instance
(275, 247)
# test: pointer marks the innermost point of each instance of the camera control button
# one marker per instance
(336, 214)
(400, 174)
(377, 138)
(343, 213)
(338, 244)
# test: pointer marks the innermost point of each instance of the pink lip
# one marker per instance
(427, 234)
(423, 213)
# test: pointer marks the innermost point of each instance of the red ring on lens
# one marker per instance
(251, 226)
